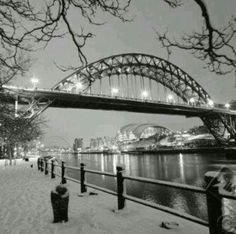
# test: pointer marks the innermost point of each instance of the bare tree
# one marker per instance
(25, 25)
(215, 46)
(17, 131)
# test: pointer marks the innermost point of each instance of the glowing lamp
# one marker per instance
(114, 91)
(79, 85)
(210, 103)
(145, 94)
(227, 105)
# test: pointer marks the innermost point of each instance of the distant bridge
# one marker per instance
(130, 82)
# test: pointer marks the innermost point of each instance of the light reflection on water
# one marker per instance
(180, 168)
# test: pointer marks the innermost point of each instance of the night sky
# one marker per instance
(116, 37)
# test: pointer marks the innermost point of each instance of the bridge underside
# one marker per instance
(104, 103)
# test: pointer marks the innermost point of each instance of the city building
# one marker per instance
(78, 144)
(140, 136)
(136, 132)
(103, 143)
(135, 137)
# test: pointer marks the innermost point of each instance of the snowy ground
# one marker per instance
(25, 209)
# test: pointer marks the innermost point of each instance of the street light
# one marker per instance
(170, 98)
(144, 94)
(79, 86)
(114, 91)
(191, 100)
(34, 81)
(210, 103)
(227, 105)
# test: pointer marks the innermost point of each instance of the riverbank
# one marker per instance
(229, 151)
(179, 150)
(26, 209)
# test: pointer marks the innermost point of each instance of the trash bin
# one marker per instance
(60, 201)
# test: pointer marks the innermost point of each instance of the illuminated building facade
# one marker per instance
(136, 132)
(78, 144)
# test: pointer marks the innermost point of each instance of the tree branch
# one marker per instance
(214, 46)
(25, 29)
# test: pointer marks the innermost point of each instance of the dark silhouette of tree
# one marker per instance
(27, 25)
(214, 45)
(17, 131)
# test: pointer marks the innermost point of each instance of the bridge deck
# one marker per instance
(85, 101)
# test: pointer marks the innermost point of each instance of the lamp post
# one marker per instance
(170, 98)
(114, 91)
(34, 81)
(192, 101)
(78, 86)
(227, 105)
(144, 94)
(210, 103)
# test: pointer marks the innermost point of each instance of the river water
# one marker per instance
(180, 168)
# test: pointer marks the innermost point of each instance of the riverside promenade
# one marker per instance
(25, 208)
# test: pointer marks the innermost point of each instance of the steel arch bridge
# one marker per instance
(129, 67)
(142, 77)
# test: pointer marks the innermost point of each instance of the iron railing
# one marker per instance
(213, 198)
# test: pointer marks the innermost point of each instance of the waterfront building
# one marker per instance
(135, 137)
(78, 144)
(203, 140)
(103, 143)
(135, 132)
(140, 136)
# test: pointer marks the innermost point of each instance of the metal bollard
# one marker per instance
(41, 164)
(52, 170)
(38, 163)
(63, 179)
(46, 167)
(120, 188)
(83, 188)
(214, 206)
(60, 201)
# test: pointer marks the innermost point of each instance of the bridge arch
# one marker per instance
(141, 65)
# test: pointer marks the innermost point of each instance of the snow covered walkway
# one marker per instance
(25, 209)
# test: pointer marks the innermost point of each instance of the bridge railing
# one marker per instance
(149, 100)
(216, 106)
(213, 198)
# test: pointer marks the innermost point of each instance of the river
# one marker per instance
(180, 168)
